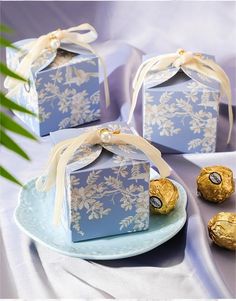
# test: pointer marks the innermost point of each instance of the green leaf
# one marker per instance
(11, 125)
(6, 43)
(6, 141)
(5, 174)
(8, 72)
(5, 28)
(11, 105)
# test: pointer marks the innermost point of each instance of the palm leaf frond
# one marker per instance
(11, 125)
(10, 144)
(8, 72)
(6, 174)
(11, 105)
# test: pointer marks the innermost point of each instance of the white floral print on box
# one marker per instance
(63, 91)
(107, 188)
(180, 110)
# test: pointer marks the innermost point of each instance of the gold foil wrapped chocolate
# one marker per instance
(163, 196)
(222, 230)
(215, 183)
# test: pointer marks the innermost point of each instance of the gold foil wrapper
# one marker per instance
(163, 196)
(222, 230)
(215, 183)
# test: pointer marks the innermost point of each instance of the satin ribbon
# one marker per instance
(80, 35)
(62, 153)
(190, 61)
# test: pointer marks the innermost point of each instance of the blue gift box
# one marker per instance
(63, 90)
(180, 110)
(107, 188)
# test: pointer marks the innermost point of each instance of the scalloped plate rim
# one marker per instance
(88, 256)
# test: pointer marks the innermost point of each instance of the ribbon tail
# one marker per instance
(137, 84)
(56, 167)
(160, 63)
(13, 92)
(231, 117)
(9, 81)
(24, 68)
(88, 37)
(227, 92)
(47, 180)
(212, 70)
(105, 82)
(65, 157)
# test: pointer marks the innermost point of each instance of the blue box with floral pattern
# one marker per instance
(180, 110)
(107, 188)
(63, 89)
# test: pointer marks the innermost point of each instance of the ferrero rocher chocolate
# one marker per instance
(222, 230)
(215, 183)
(163, 196)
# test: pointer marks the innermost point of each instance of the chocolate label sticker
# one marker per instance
(155, 202)
(215, 178)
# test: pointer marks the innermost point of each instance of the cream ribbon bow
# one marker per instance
(191, 61)
(80, 35)
(62, 153)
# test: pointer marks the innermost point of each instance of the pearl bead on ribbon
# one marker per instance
(62, 153)
(80, 35)
(189, 60)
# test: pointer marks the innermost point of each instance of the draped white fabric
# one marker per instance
(188, 266)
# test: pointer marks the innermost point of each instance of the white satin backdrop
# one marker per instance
(188, 266)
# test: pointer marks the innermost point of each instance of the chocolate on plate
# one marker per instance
(215, 183)
(163, 196)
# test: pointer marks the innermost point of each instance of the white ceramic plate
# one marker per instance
(34, 215)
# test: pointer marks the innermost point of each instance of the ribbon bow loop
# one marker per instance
(86, 33)
(81, 35)
(63, 152)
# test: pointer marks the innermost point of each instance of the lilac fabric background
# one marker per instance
(188, 263)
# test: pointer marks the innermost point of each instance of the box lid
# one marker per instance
(47, 57)
(155, 78)
(89, 153)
